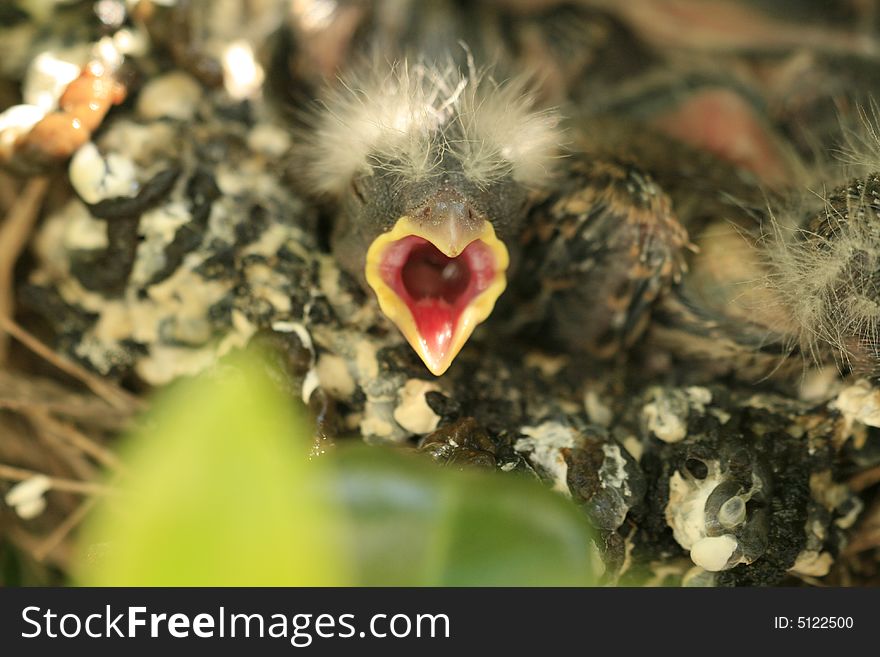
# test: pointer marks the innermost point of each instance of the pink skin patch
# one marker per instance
(436, 288)
(719, 121)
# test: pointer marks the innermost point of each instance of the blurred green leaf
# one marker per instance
(412, 524)
(216, 494)
(221, 493)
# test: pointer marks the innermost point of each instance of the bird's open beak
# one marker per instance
(437, 282)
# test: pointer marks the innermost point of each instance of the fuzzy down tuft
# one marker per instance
(827, 273)
(407, 116)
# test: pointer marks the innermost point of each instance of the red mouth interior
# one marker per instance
(436, 288)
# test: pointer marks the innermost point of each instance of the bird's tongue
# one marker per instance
(436, 288)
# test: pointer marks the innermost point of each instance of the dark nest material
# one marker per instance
(150, 225)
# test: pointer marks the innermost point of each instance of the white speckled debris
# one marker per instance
(413, 412)
(666, 415)
(544, 443)
(15, 122)
(713, 552)
(547, 364)
(81, 231)
(170, 314)
(634, 446)
(688, 516)
(297, 328)
(377, 424)
(357, 354)
(50, 73)
(597, 410)
(811, 563)
(242, 75)
(28, 497)
(334, 376)
(699, 398)
(685, 511)
(174, 95)
(613, 471)
(95, 177)
(365, 358)
(268, 139)
(859, 403)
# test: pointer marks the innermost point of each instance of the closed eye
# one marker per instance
(358, 192)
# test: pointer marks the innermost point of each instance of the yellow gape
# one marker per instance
(437, 283)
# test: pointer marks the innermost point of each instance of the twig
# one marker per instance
(113, 395)
(23, 393)
(14, 233)
(29, 544)
(867, 534)
(865, 479)
(77, 464)
(75, 438)
(41, 551)
(11, 473)
(866, 539)
(8, 192)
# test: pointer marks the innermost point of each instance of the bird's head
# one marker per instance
(433, 171)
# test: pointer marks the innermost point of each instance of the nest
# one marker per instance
(688, 479)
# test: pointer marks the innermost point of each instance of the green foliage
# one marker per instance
(221, 492)
(412, 523)
(216, 494)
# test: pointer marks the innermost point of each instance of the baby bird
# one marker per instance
(433, 169)
(453, 179)
(453, 182)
